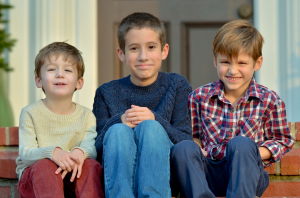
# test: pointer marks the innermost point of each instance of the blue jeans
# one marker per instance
(240, 174)
(137, 161)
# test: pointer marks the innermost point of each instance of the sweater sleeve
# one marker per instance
(29, 150)
(103, 118)
(179, 127)
(88, 141)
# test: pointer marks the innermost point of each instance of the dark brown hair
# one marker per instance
(139, 20)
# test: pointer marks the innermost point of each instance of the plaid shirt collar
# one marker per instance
(252, 91)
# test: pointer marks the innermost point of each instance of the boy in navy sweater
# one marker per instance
(141, 116)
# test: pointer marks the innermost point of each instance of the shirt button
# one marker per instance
(231, 130)
(232, 110)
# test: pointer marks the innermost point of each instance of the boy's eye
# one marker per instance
(151, 46)
(133, 48)
(51, 69)
(68, 70)
(225, 62)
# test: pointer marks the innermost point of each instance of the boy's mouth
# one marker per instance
(59, 84)
(233, 78)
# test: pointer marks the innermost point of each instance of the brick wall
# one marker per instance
(284, 175)
(9, 141)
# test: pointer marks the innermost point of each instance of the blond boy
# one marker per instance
(56, 135)
(239, 126)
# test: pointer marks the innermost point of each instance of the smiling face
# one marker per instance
(59, 77)
(143, 55)
(236, 74)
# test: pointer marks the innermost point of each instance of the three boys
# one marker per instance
(57, 136)
(239, 126)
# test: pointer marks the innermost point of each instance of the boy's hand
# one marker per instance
(137, 114)
(64, 160)
(78, 167)
(199, 144)
(123, 118)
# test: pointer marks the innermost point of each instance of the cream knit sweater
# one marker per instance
(40, 131)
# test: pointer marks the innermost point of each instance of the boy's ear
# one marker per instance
(165, 52)
(215, 62)
(38, 82)
(121, 55)
(79, 84)
(258, 63)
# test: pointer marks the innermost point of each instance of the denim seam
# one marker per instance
(105, 174)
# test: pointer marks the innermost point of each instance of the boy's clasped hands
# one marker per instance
(68, 161)
(134, 116)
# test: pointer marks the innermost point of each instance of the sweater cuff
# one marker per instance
(48, 152)
(85, 152)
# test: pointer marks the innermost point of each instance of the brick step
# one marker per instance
(284, 176)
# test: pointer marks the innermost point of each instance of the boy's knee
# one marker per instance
(151, 130)
(91, 164)
(117, 131)
(153, 124)
(44, 165)
(242, 144)
(182, 149)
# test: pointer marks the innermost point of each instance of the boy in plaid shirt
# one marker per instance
(239, 126)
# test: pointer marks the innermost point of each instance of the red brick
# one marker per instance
(14, 136)
(282, 189)
(290, 163)
(17, 195)
(2, 136)
(297, 126)
(271, 169)
(8, 164)
(4, 191)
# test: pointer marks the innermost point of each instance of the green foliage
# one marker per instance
(6, 43)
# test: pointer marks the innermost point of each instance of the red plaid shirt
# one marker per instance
(259, 115)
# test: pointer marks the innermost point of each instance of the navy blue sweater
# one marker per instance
(167, 98)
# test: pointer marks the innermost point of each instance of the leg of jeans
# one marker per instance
(40, 180)
(190, 168)
(89, 183)
(119, 159)
(244, 163)
(153, 170)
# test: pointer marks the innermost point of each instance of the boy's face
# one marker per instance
(236, 74)
(59, 77)
(143, 55)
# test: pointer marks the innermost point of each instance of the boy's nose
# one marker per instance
(59, 73)
(143, 55)
(233, 69)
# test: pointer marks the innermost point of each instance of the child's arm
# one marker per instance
(278, 138)
(179, 127)
(29, 150)
(87, 144)
(103, 118)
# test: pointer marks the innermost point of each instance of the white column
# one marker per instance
(278, 22)
(35, 24)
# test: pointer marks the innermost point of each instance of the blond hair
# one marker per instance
(56, 49)
(238, 35)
